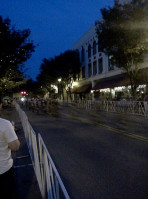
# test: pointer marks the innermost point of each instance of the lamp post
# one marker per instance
(59, 89)
(92, 93)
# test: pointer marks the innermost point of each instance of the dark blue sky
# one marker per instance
(55, 24)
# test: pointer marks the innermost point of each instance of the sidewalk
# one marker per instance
(26, 183)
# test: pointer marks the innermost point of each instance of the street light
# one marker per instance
(59, 88)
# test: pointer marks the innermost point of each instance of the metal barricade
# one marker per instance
(129, 107)
(50, 183)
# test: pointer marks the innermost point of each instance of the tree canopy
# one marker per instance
(15, 49)
(48, 74)
(65, 66)
(123, 35)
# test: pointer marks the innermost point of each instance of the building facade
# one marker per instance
(97, 73)
(93, 62)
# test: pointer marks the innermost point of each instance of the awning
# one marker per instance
(82, 89)
(121, 81)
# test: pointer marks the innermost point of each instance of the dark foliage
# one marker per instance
(65, 66)
(15, 49)
(123, 35)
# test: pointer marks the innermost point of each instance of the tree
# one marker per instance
(65, 66)
(123, 35)
(10, 81)
(48, 74)
(68, 68)
(15, 49)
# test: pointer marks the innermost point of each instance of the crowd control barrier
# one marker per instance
(129, 107)
(49, 180)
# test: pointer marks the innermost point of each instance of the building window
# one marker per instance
(82, 54)
(83, 72)
(89, 70)
(110, 66)
(100, 61)
(94, 68)
(94, 47)
(89, 50)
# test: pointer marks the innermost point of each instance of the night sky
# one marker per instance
(55, 24)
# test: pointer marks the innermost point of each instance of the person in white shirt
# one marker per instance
(8, 141)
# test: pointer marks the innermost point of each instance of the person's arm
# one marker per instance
(14, 145)
(11, 137)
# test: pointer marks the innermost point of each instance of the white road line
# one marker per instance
(22, 166)
(24, 156)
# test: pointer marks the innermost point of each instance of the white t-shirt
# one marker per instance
(7, 134)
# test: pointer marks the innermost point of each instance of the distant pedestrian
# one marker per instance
(146, 98)
(8, 141)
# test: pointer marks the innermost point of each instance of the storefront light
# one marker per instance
(74, 84)
(54, 87)
(120, 88)
(142, 86)
(105, 90)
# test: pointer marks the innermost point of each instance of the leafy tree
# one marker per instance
(68, 68)
(48, 74)
(15, 49)
(65, 66)
(123, 35)
(11, 81)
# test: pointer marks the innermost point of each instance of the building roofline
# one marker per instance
(85, 37)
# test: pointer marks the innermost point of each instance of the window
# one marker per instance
(94, 68)
(83, 72)
(100, 61)
(89, 50)
(89, 70)
(94, 47)
(110, 66)
(82, 54)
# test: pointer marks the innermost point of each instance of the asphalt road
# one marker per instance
(98, 155)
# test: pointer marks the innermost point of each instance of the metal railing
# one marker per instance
(130, 107)
(50, 183)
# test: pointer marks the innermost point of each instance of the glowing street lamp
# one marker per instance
(59, 89)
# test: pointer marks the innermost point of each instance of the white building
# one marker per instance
(97, 73)
(93, 61)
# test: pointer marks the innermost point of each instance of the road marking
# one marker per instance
(24, 156)
(23, 166)
(132, 135)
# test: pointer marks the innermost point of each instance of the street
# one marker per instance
(98, 155)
